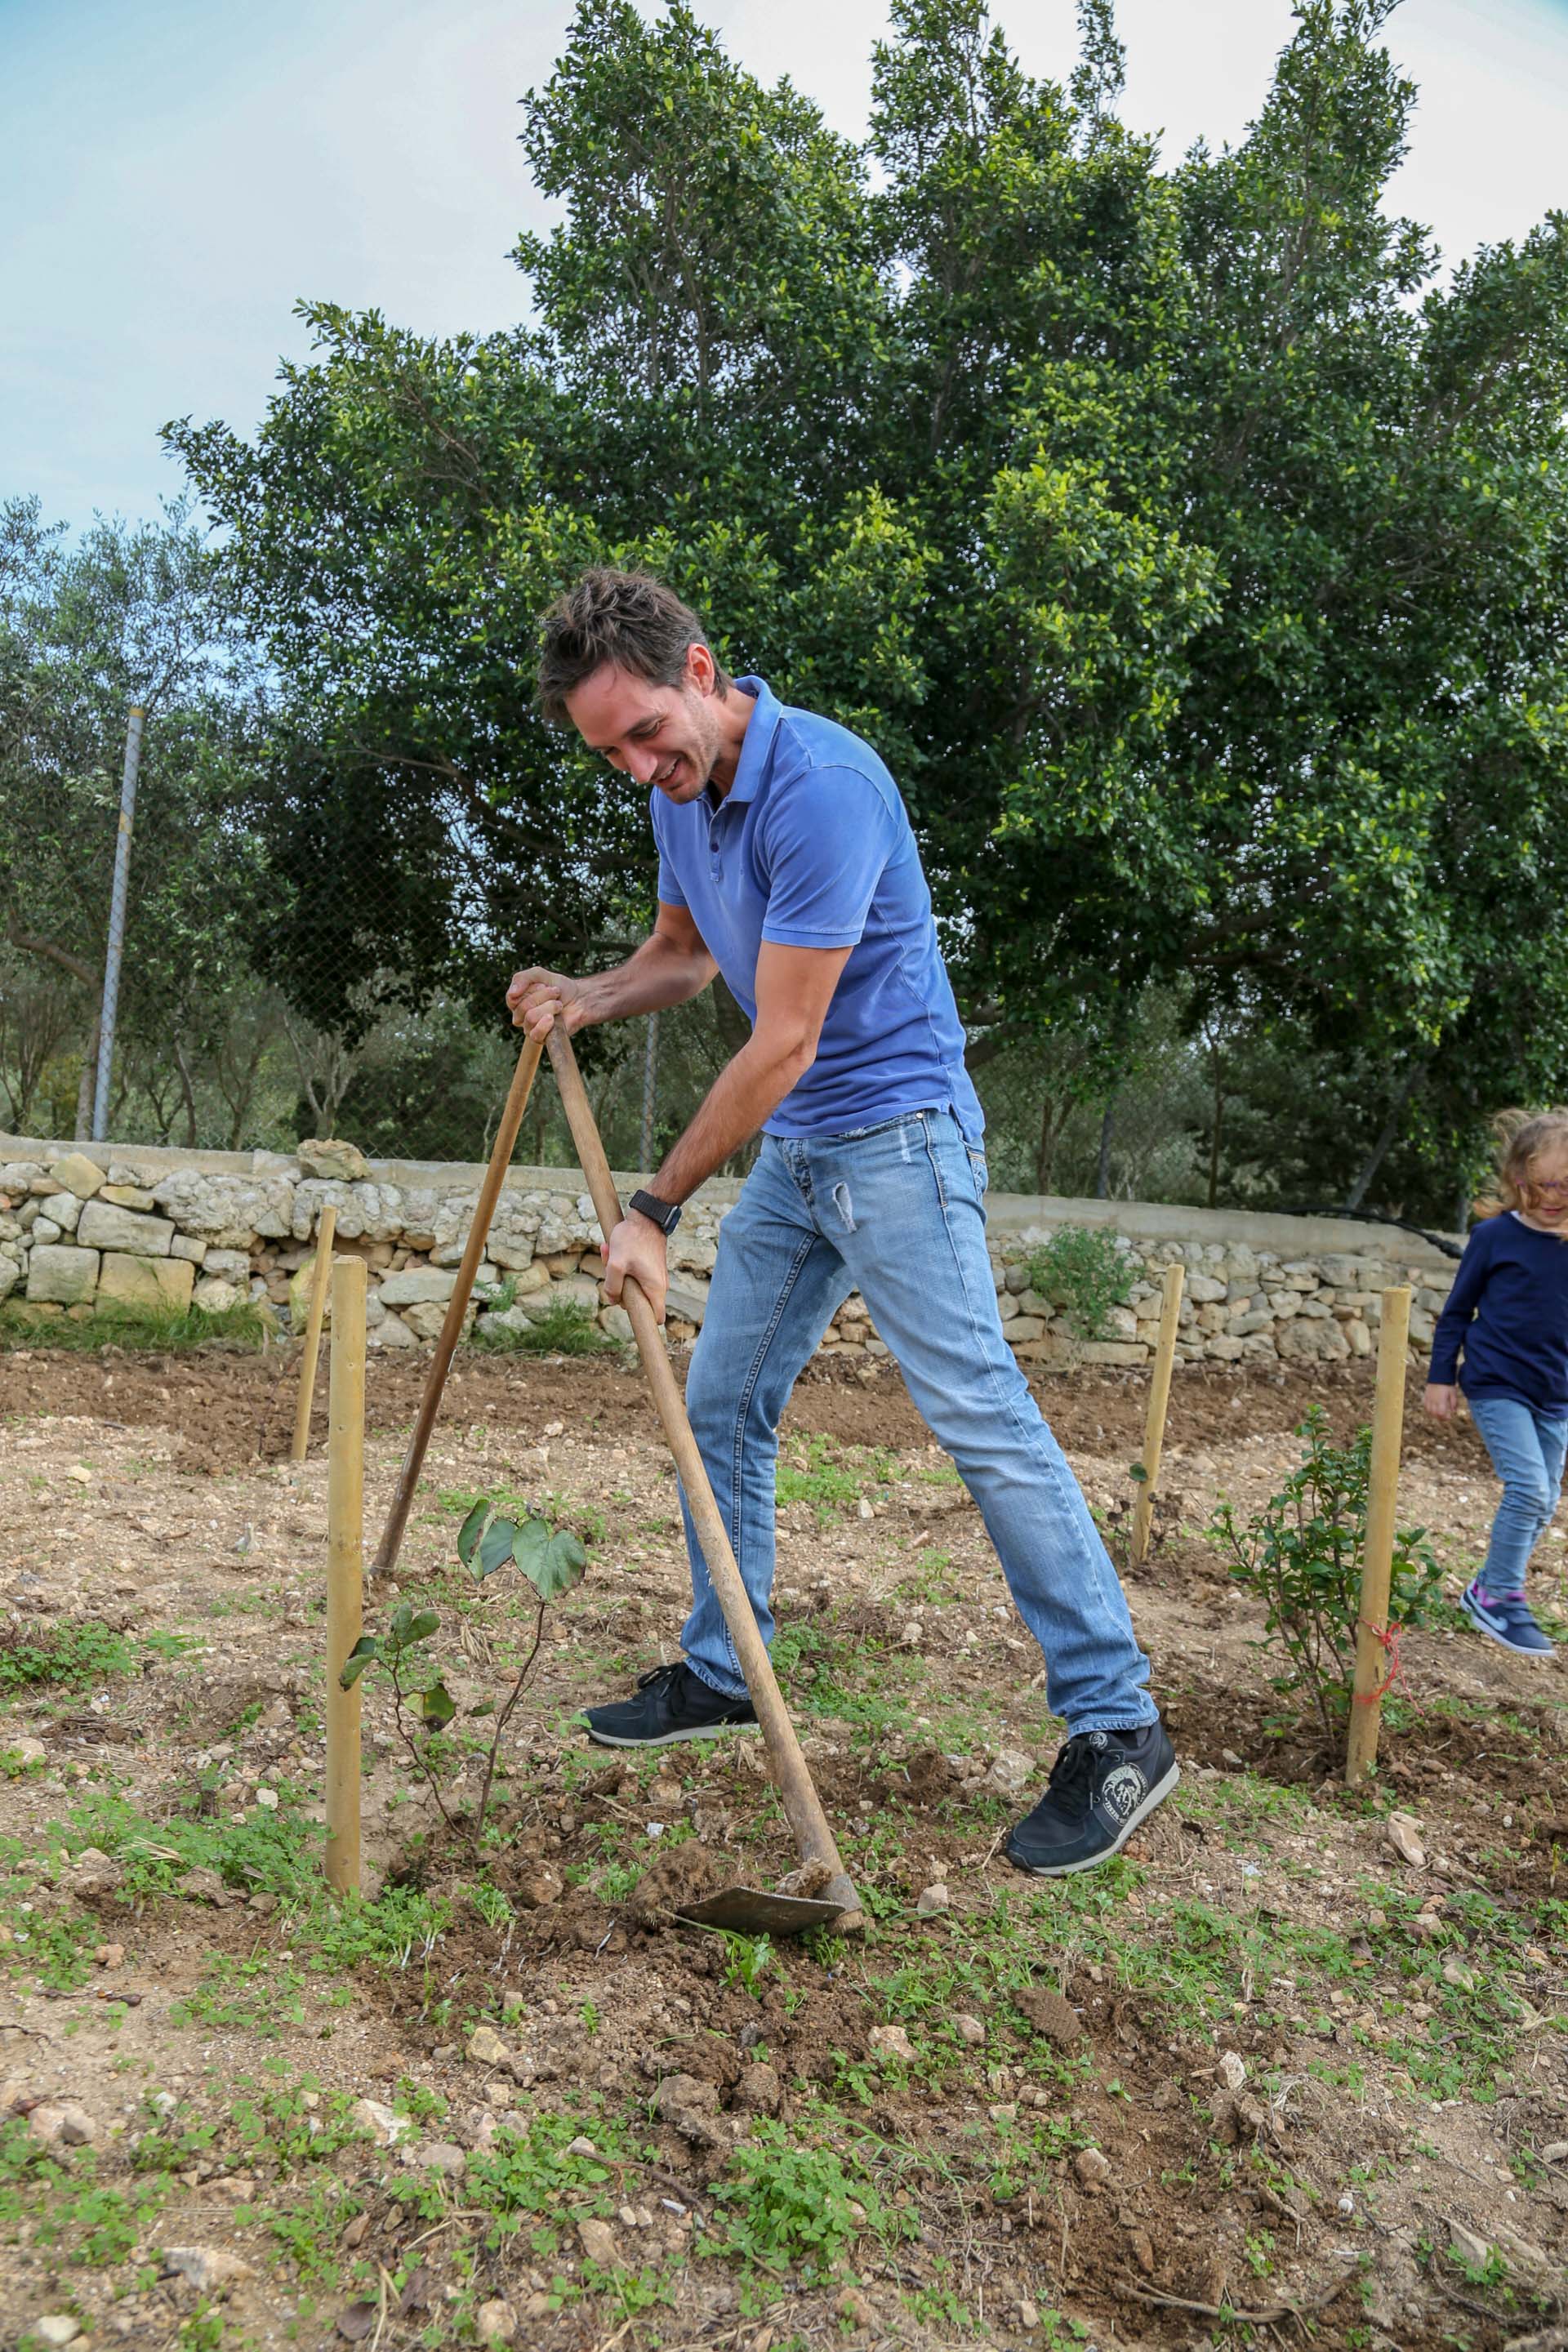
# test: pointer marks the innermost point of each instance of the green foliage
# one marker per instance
(163, 1331)
(783, 2205)
(552, 1560)
(65, 1657)
(1081, 1271)
(831, 1477)
(566, 1328)
(1300, 1555)
(1190, 549)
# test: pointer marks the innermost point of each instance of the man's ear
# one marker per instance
(702, 670)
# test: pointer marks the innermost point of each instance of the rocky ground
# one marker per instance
(1291, 2070)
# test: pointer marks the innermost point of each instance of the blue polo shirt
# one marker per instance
(811, 847)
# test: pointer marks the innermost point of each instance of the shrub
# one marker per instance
(566, 1328)
(1301, 1556)
(1085, 1275)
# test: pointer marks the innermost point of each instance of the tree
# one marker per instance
(128, 615)
(1196, 570)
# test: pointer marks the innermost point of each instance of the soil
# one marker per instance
(1191, 2095)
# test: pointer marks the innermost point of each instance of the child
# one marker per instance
(1509, 1312)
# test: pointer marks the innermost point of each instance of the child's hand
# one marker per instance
(1441, 1403)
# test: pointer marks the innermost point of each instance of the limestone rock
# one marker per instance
(56, 2327)
(217, 1297)
(146, 1281)
(63, 1210)
(1092, 2168)
(1401, 1836)
(76, 1173)
(208, 2268)
(496, 2322)
(932, 1899)
(599, 2242)
(1304, 1340)
(1010, 1772)
(418, 1286)
(28, 1751)
(892, 2041)
(1231, 2069)
(230, 1211)
(486, 2047)
(103, 1226)
(687, 1301)
(63, 1274)
(330, 1156)
(385, 2125)
(969, 2029)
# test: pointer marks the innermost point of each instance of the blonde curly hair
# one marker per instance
(1523, 1136)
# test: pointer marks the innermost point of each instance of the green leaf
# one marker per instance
(402, 1619)
(558, 1567)
(497, 1546)
(437, 1707)
(365, 1651)
(424, 1625)
(530, 1545)
(468, 1533)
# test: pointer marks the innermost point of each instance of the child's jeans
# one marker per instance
(1527, 1447)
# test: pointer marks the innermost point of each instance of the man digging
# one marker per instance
(787, 863)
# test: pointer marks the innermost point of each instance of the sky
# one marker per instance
(176, 174)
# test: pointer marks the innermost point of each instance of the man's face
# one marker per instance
(668, 736)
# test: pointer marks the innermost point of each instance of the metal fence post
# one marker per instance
(116, 924)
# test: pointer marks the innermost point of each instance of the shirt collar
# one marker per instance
(757, 743)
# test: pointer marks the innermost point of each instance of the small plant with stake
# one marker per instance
(1301, 1556)
(551, 1559)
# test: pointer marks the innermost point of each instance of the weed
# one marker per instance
(1082, 1272)
(1301, 1555)
(784, 2204)
(70, 1656)
(832, 1478)
(166, 1330)
(564, 1328)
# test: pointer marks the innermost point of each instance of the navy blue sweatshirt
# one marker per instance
(1513, 1282)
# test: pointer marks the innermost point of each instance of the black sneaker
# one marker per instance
(672, 1703)
(1103, 1783)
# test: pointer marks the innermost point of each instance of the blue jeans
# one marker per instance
(897, 1210)
(1527, 1448)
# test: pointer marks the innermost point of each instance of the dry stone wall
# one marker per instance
(83, 1226)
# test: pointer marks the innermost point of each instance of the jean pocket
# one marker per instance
(979, 1171)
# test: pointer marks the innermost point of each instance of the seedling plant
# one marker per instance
(551, 1559)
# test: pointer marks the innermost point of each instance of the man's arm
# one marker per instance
(671, 967)
(794, 989)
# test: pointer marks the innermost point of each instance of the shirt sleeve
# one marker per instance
(1449, 1337)
(670, 893)
(828, 841)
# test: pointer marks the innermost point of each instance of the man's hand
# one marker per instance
(638, 1247)
(1442, 1403)
(538, 999)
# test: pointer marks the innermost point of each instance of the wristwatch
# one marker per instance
(659, 1213)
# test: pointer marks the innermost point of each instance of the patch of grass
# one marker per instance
(783, 2206)
(829, 1476)
(565, 1328)
(72, 1657)
(164, 1331)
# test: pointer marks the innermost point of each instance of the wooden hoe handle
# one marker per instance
(791, 1776)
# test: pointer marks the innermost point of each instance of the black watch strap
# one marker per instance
(662, 1214)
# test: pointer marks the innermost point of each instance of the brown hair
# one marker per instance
(1523, 1136)
(628, 618)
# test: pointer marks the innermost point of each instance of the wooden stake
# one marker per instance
(458, 1306)
(1159, 1404)
(320, 1274)
(1377, 1560)
(345, 1567)
(792, 1774)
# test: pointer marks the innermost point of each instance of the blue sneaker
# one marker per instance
(1506, 1618)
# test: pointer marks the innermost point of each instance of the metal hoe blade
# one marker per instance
(750, 1912)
